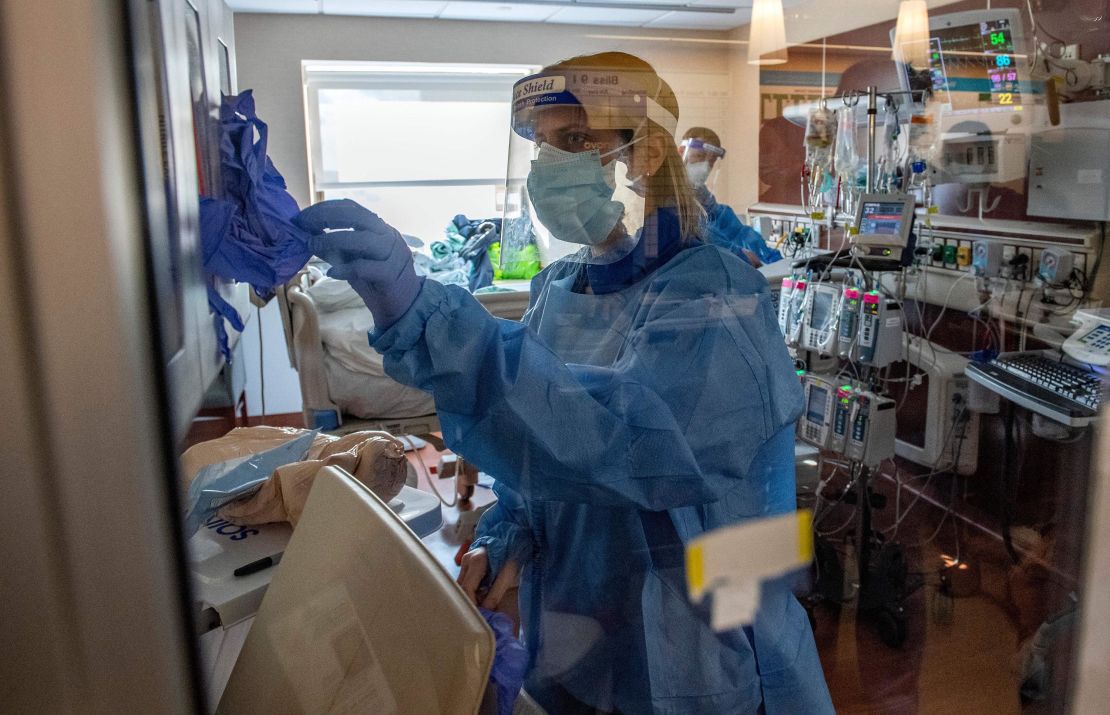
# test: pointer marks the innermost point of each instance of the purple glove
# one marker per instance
(366, 252)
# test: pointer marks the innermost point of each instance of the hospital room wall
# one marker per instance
(715, 86)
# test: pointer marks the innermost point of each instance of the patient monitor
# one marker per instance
(360, 618)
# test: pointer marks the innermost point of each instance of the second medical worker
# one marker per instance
(645, 398)
(701, 150)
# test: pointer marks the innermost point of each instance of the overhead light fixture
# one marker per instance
(911, 34)
(610, 5)
(767, 34)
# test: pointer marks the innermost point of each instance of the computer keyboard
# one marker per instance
(1062, 392)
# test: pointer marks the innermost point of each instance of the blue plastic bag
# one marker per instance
(510, 661)
(224, 482)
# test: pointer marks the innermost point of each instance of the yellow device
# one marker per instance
(963, 256)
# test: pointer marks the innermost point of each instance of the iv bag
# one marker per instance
(923, 132)
(820, 129)
(820, 145)
(846, 157)
(891, 132)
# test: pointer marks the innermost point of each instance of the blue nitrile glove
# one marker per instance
(366, 252)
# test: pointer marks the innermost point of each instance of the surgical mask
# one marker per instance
(572, 194)
(698, 172)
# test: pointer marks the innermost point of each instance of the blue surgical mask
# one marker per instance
(572, 193)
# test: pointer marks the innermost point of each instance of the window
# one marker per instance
(415, 142)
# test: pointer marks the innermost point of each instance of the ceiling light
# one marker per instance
(610, 5)
(911, 34)
(767, 34)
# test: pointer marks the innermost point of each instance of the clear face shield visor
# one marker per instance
(700, 158)
(575, 187)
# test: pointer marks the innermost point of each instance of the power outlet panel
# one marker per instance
(954, 255)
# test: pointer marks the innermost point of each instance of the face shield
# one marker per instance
(576, 186)
(700, 158)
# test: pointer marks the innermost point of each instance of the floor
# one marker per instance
(962, 652)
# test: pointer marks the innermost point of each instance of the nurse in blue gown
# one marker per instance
(645, 398)
(701, 150)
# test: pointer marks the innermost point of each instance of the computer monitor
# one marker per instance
(884, 222)
(976, 61)
(360, 617)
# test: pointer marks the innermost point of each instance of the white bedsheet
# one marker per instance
(356, 379)
(371, 397)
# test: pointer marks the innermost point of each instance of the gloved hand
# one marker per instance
(366, 252)
(475, 567)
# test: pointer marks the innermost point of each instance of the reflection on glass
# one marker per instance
(171, 306)
(197, 94)
(225, 69)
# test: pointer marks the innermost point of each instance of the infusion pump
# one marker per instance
(834, 319)
(856, 423)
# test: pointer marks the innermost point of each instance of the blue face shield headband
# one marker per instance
(611, 99)
(699, 145)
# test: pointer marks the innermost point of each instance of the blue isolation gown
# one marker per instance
(620, 424)
(725, 229)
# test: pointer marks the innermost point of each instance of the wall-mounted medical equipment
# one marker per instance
(935, 426)
(1069, 173)
(966, 51)
(973, 154)
(986, 258)
(872, 434)
(1090, 343)
(880, 330)
(883, 222)
(822, 315)
(1070, 76)
(1055, 265)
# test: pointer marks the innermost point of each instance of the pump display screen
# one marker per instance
(822, 309)
(971, 65)
(883, 218)
(815, 411)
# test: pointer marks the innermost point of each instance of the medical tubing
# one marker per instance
(947, 512)
(428, 476)
(900, 516)
(872, 110)
(944, 308)
(261, 365)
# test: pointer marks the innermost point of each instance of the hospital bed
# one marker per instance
(341, 377)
